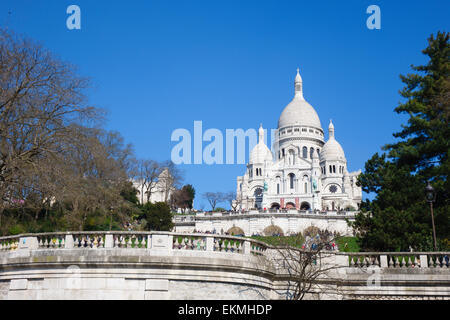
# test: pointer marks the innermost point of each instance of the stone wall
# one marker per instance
(158, 265)
(255, 223)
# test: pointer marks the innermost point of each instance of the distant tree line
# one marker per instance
(214, 198)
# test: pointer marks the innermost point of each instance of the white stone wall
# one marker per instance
(40, 270)
(182, 290)
(131, 274)
(255, 224)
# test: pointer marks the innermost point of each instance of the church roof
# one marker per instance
(299, 111)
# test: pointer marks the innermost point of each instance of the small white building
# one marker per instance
(303, 171)
(158, 189)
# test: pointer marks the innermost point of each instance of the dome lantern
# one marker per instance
(331, 130)
(298, 84)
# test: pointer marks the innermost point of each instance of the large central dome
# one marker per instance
(299, 112)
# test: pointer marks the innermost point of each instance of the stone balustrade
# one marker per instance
(133, 240)
(9, 243)
(155, 265)
(399, 259)
(207, 242)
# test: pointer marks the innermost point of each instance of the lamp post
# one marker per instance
(431, 197)
(110, 218)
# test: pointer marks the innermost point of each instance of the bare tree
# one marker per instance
(147, 174)
(233, 200)
(170, 179)
(214, 198)
(303, 268)
(40, 97)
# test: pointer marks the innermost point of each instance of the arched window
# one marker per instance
(311, 152)
(305, 152)
(334, 169)
(278, 184)
(291, 180)
(305, 183)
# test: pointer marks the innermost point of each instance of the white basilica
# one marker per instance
(303, 172)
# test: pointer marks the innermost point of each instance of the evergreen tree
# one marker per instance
(157, 216)
(399, 216)
(191, 192)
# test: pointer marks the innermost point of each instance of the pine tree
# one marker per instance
(399, 217)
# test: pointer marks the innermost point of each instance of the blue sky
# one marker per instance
(160, 65)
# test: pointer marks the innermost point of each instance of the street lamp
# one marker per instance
(110, 218)
(431, 197)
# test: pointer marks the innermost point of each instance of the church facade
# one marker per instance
(304, 171)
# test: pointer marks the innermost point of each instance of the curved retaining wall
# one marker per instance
(163, 265)
(112, 266)
(255, 222)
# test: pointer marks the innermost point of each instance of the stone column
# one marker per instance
(68, 241)
(109, 241)
(247, 247)
(423, 261)
(209, 243)
(383, 261)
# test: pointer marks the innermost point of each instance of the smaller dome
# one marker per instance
(260, 152)
(332, 150)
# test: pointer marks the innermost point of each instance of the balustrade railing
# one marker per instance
(51, 240)
(257, 248)
(189, 242)
(363, 260)
(9, 243)
(438, 260)
(133, 240)
(399, 259)
(130, 240)
(229, 245)
(208, 242)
